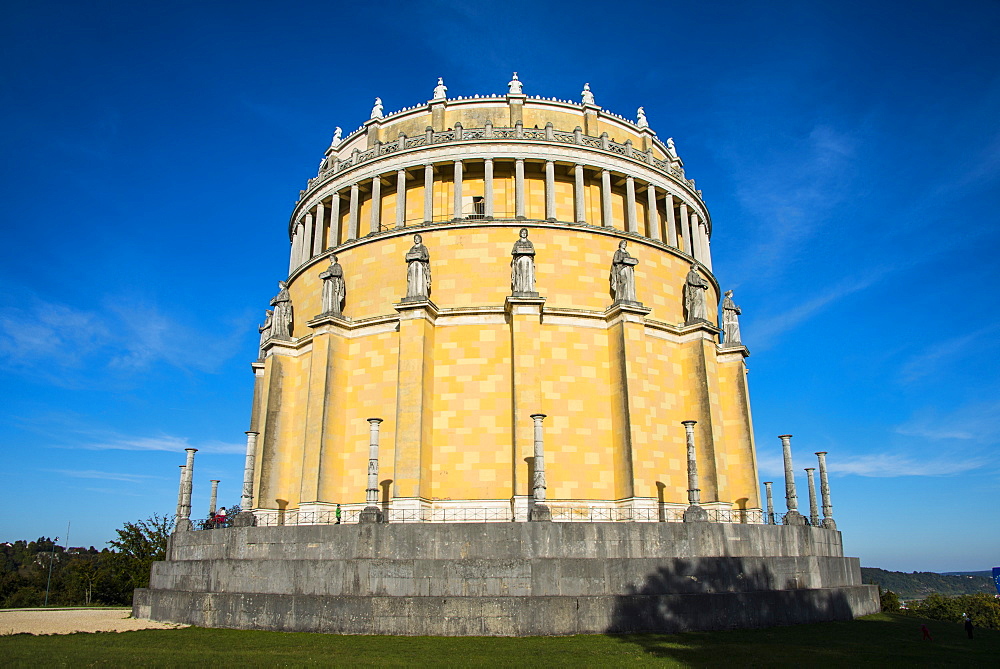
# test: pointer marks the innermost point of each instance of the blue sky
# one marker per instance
(848, 152)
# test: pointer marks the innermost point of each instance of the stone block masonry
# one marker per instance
(500, 579)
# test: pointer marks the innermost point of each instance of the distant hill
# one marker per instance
(918, 585)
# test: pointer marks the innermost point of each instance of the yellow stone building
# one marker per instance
(456, 377)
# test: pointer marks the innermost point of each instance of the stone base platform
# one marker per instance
(505, 579)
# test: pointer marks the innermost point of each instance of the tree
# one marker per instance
(138, 546)
(889, 601)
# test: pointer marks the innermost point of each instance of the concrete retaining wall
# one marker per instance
(506, 579)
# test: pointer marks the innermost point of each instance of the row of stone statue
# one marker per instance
(278, 322)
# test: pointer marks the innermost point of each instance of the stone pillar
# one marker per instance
(695, 237)
(428, 193)
(793, 517)
(333, 238)
(694, 512)
(488, 188)
(352, 216)
(538, 509)
(824, 491)
(184, 523)
(550, 190)
(652, 216)
(605, 198)
(309, 233)
(769, 519)
(318, 225)
(457, 209)
(246, 500)
(685, 229)
(578, 199)
(633, 222)
(180, 495)
(671, 221)
(400, 198)
(519, 188)
(813, 510)
(376, 218)
(372, 513)
(213, 498)
(706, 252)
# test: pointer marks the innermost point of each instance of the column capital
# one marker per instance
(374, 421)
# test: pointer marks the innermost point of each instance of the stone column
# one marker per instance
(184, 523)
(538, 510)
(180, 495)
(488, 188)
(694, 512)
(606, 198)
(652, 216)
(400, 198)
(550, 190)
(633, 222)
(519, 188)
(671, 221)
(352, 220)
(213, 498)
(318, 225)
(695, 237)
(793, 517)
(457, 209)
(769, 518)
(813, 511)
(333, 238)
(246, 500)
(685, 229)
(309, 230)
(706, 252)
(428, 193)
(824, 491)
(372, 513)
(578, 199)
(376, 218)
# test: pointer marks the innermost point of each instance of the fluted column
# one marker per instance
(706, 250)
(696, 249)
(308, 226)
(813, 510)
(824, 491)
(550, 190)
(578, 199)
(538, 510)
(319, 224)
(769, 519)
(376, 217)
(400, 198)
(428, 193)
(606, 198)
(671, 222)
(352, 220)
(519, 188)
(371, 512)
(685, 229)
(457, 209)
(633, 221)
(652, 216)
(694, 512)
(214, 496)
(488, 207)
(246, 500)
(333, 239)
(792, 517)
(184, 523)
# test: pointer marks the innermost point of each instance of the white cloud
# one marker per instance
(890, 465)
(976, 423)
(158, 443)
(106, 476)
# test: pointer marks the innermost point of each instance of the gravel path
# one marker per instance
(68, 621)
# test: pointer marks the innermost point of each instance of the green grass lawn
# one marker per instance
(879, 640)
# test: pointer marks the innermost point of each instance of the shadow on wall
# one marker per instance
(717, 593)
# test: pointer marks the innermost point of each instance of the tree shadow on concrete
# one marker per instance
(717, 593)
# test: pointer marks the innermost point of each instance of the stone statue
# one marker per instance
(695, 288)
(730, 320)
(265, 331)
(281, 322)
(586, 96)
(418, 271)
(377, 109)
(336, 137)
(671, 149)
(640, 118)
(623, 275)
(440, 91)
(514, 86)
(334, 289)
(522, 266)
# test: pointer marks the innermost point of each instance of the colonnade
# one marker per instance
(319, 227)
